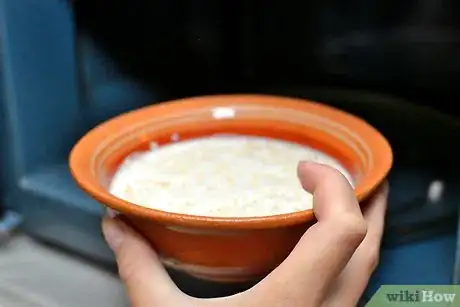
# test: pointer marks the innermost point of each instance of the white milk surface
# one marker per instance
(220, 176)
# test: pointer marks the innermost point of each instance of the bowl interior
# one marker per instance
(355, 144)
(348, 151)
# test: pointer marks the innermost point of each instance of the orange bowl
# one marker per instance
(226, 249)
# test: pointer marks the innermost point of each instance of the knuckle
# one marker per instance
(127, 272)
(352, 228)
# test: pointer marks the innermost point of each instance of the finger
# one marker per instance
(355, 277)
(327, 246)
(328, 186)
(144, 276)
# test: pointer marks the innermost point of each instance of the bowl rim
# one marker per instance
(379, 145)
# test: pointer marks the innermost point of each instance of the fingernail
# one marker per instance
(113, 232)
(111, 213)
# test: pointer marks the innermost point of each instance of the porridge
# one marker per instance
(220, 176)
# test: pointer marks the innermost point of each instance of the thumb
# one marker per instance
(146, 280)
(326, 247)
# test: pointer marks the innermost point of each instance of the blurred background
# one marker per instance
(65, 66)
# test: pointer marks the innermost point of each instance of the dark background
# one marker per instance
(407, 48)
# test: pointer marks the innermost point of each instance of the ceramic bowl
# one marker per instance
(226, 249)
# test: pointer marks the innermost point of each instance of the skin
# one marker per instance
(330, 266)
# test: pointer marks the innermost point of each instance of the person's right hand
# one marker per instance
(330, 266)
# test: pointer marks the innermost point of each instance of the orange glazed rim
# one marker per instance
(80, 165)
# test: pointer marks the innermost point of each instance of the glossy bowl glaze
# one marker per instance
(226, 249)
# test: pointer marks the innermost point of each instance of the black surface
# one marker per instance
(409, 48)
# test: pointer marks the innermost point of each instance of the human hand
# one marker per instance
(330, 266)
